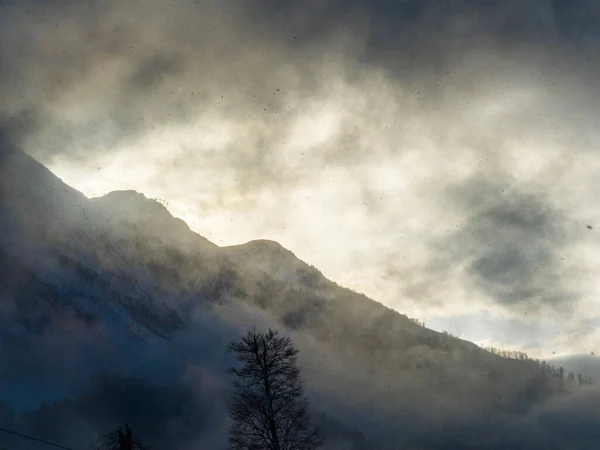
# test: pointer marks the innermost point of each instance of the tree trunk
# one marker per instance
(269, 400)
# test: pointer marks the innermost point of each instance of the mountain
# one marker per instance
(110, 302)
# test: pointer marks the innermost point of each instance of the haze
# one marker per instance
(440, 157)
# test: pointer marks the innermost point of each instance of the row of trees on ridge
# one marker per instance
(558, 372)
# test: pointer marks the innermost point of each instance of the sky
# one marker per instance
(439, 156)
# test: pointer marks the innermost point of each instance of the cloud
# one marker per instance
(167, 66)
(335, 126)
(512, 246)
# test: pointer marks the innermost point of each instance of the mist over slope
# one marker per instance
(111, 310)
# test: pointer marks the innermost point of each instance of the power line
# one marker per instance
(35, 439)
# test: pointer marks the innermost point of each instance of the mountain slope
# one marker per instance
(123, 269)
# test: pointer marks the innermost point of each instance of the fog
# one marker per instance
(174, 394)
(387, 143)
(440, 157)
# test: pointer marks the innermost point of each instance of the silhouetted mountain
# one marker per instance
(117, 284)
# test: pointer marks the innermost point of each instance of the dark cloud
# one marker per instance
(153, 71)
(513, 243)
(502, 242)
(23, 123)
(411, 37)
(152, 59)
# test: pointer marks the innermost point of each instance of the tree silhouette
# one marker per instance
(121, 439)
(269, 409)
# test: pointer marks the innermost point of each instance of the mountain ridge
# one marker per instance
(150, 280)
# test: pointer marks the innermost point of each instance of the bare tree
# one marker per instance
(121, 439)
(269, 409)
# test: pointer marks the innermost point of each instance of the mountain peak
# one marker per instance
(266, 244)
(133, 206)
(126, 193)
(151, 216)
(131, 199)
(264, 249)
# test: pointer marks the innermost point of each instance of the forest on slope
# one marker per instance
(111, 300)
